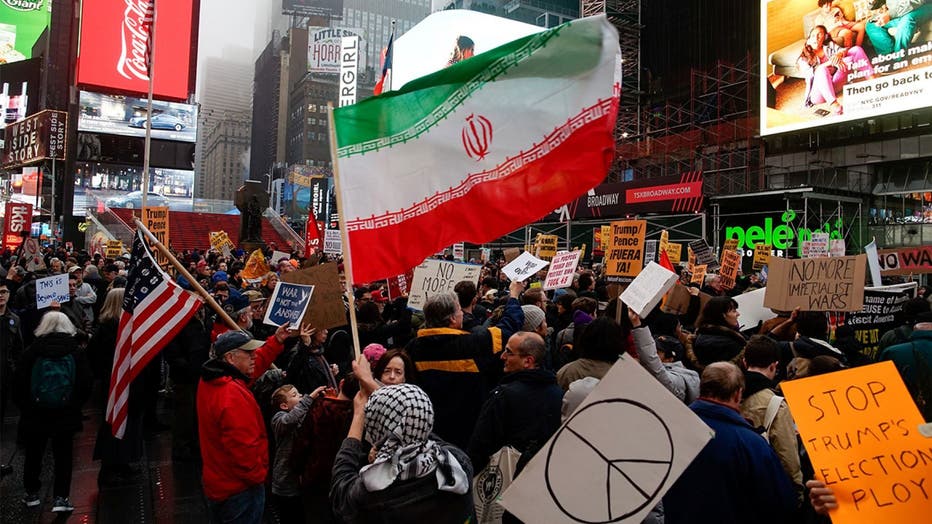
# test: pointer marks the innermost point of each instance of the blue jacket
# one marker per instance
(914, 361)
(736, 478)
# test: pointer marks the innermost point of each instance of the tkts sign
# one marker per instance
(18, 220)
(115, 41)
(35, 138)
(677, 194)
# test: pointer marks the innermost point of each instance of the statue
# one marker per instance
(251, 200)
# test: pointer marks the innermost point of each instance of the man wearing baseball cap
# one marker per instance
(234, 444)
(85, 294)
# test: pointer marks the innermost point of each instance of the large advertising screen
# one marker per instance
(21, 24)
(323, 48)
(114, 36)
(98, 185)
(19, 91)
(842, 61)
(446, 37)
(332, 9)
(123, 115)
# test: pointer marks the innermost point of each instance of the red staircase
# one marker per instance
(192, 230)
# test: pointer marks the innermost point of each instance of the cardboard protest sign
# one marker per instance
(625, 255)
(562, 269)
(905, 261)
(704, 254)
(664, 240)
(674, 252)
(836, 247)
(606, 237)
(816, 284)
(326, 309)
(546, 247)
(650, 251)
(691, 260)
(860, 428)
(731, 262)
(256, 267)
(751, 307)
(678, 299)
(648, 288)
(882, 311)
(761, 256)
(731, 244)
(438, 276)
(288, 304)
(156, 221)
(511, 253)
(219, 239)
(278, 256)
(630, 437)
(114, 248)
(333, 243)
(698, 276)
(53, 288)
(523, 267)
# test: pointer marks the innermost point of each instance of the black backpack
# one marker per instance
(52, 381)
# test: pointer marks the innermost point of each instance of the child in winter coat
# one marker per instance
(293, 408)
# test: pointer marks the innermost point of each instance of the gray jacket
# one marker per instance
(285, 426)
(682, 382)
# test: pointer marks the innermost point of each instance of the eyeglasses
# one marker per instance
(4, 291)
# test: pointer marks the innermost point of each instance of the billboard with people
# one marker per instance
(830, 61)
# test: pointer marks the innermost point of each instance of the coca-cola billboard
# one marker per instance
(115, 40)
(18, 220)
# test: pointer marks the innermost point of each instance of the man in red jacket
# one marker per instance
(234, 445)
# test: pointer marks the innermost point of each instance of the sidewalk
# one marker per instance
(163, 491)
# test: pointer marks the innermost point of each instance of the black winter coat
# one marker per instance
(717, 344)
(43, 421)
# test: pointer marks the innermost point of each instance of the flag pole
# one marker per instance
(344, 236)
(197, 287)
(150, 65)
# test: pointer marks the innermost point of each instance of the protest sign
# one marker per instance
(816, 247)
(761, 256)
(731, 261)
(664, 240)
(511, 253)
(523, 267)
(32, 255)
(678, 299)
(731, 244)
(156, 221)
(485, 254)
(326, 309)
(698, 276)
(836, 247)
(650, 251)
(691, 260)
(114, 248)
(333, 243)
(546, 247)
(53, 288)
(624, 258)
(459, 251)
(816, 284)
(860, 429)
(278, 256)
(256, 267)
(905, 261)
(674, 252)
(398, 285)
(882, 311)
(704, 254)
(751, 307)
(438, 276)
(630, 436)
(219, 239)
(288, 304)
(562, 269)
(648, 288)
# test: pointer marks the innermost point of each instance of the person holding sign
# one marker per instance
(458, 368)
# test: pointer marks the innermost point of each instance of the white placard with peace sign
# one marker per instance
(523, 267)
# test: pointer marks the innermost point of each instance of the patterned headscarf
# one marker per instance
(399, 420)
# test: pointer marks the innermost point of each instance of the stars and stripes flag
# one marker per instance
(478, 149)
(385, 80)
(155, 309)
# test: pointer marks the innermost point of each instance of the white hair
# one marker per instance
(55, 322)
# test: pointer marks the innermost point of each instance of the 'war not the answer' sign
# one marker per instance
(816, 284)
(288, 304)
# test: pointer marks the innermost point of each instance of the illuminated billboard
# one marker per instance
(19, 91)
(21, 24)
(114, 36)
(842, 61)
(99, 185)
(123, 115)
(332, 9)
(449, 36)
(323, 48)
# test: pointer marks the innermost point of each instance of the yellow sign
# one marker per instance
(674, 252)
(698, 275)
(219, 239)
(156, 221)
(860, 427)
(625, 256)
(664, 241)
(731, 244)
(546, 247)
(256, 266)
(761, 256)
(114, 248)
(731, 261)
(606, 238)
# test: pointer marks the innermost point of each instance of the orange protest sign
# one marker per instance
(256, 266)
(860, 427)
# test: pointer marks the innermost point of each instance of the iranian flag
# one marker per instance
(478, 149)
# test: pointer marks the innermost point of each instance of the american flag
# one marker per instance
(155, 309)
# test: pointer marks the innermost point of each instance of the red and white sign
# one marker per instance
(312, 237)
(114, 41)
(661, 193)
(18, 220)
(562, 269)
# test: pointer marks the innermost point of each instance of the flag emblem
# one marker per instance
(477, 136)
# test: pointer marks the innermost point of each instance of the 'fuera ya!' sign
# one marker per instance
(782, 236)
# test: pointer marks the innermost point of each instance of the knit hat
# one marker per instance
(533, 317)
(374, 352)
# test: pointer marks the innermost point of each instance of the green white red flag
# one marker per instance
(478, 149)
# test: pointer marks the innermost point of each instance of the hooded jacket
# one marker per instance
(234, 443)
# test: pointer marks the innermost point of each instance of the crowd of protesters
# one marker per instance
(286, 420)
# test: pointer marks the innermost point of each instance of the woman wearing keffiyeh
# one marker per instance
(410, 476)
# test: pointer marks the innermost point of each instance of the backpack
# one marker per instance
(52, 382)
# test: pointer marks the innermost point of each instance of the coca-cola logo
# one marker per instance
(135, 32)
(23, 5)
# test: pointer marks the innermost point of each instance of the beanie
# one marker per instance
(533, 317)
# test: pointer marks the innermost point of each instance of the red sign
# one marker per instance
(114, 39)
(661, 193)
(18, 220)
(312, 237)
(682, 193)
(398, 286)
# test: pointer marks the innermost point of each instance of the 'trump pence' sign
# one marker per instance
(438, 276)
